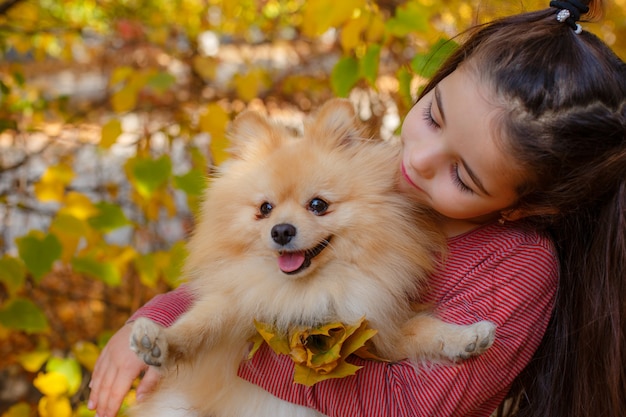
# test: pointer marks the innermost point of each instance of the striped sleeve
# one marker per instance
(512, 284)
(165, 309)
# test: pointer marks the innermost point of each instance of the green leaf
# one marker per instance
(7, 124)
(39, 252)
(12, 273)
(150, 174)
(426, 64)
(409, 18)
(104, 271)
(109, 217)
(404, 77)
(147, 269)
(18, 410)
(192, 183)
(344, 76)
(24, 315)
(161, 81)
(172, 270)
(369, 64)
(68, 367)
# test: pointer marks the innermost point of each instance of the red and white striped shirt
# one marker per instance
(506, 274)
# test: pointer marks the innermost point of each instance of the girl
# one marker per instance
(519, 142)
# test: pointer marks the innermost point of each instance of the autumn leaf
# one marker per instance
(278, 342)
(147, 174)
(109, 217)
(250, 84)
(214, 121)
(344, 76)
(55, 407)
(52, 184)
(426, 64)
(52, 384)
(12, 273)
(111, 130)
(86, 354)
(70, 231)
(22, 314)
(69, 368)
(319, 353)
(78, 205)
(39, 252)
(105, 271)
(18, 410)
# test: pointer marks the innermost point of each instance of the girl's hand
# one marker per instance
(116, 369)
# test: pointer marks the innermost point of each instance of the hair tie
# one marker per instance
(569, 11)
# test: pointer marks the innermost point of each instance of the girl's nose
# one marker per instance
(425, 159)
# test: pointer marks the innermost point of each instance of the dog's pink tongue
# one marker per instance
(290, 261)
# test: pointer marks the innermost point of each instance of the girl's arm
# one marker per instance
(118, 366)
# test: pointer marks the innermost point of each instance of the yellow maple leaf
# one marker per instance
(86, 354)
(321, 15)
(51, 186)
(277, 341)
(78, 205)
(319, 353)
(111, 130)
(351, 33)
(250, 84)
(214, 121)
(55, 407)
(33, 361)
(51, 384)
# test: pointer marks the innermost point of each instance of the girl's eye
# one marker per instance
(428, 116)
(457, 180)
(265, 209)
(318, 206)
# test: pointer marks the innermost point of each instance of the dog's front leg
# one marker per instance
(427, 337)
(199, 327)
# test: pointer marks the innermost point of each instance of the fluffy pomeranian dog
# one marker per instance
(298, 230)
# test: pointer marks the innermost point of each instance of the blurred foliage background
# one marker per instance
(111, 115)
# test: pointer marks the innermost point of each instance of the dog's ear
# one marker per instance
(252, 134)
(336, 121)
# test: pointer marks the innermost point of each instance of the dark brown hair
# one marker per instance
(564, 122)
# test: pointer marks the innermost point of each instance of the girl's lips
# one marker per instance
(407, 179)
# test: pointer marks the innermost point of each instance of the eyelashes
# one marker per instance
(457, 179)
(427, 115)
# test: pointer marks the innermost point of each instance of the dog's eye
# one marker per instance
(266, 209)
(318, 206)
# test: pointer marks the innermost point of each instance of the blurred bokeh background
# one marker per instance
(111, 116)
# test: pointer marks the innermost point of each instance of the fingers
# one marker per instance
(116, 369)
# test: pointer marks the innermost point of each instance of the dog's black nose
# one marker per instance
(283, 233)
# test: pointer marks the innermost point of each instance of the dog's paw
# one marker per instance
(148, 341)
(472, 340)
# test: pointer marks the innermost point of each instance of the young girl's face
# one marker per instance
(451, 158)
